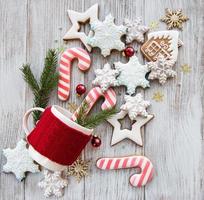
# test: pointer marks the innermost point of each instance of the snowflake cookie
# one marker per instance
(161, 69)
(53, 183)
(105, 77)
(19, 161)
(132, 74)
(135, 106)
(107, 35)
(135, 30)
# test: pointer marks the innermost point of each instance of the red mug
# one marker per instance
(56, 141)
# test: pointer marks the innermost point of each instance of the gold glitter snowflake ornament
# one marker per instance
(78, 169)
(174, 18)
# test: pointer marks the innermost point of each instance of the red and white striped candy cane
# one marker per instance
(93, 96)
(84, 62)
(142, 162)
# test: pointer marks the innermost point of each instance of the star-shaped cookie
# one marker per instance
(161, 69)
(174, 18)
(105, 77)
(53, 183)
(107, 35)
(76, 18)
(135, 30)
(19, 161)
(134, 134)
(132, 74)
(135, 105)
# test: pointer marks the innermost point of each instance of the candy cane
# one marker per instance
(136, 180)
(84, 62)
(93, 96)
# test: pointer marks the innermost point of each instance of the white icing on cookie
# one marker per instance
(105, 77)
(132, 74)
(135, 30)
(76, 17)
(107, 35)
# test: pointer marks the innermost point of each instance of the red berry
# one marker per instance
(80, 89)
(129, 51)
(95, 141)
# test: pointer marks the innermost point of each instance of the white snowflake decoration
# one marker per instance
(135, 30)
(106, 77)
(107, 35)
(135, 106)
(19, 161)
(53, 183)
(161, 69)
(132, 74)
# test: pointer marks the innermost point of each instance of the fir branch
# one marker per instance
(82, 113)
(29, 78)
(48, 81)
(93, 120)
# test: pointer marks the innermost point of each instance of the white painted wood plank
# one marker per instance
(12, 54)
(48, 22)
(111, 184)
(167, 142)
(173, 140)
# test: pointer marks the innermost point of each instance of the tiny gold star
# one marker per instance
(158, 96)
(174, 18)
(185, 68)
(78, 169)
(154, 25)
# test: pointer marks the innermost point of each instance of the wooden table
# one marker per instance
(173, 140)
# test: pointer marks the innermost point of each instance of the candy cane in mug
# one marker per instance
(142, 162)
(84, 62)
(92, 97)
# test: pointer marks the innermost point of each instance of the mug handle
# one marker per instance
(26, 116)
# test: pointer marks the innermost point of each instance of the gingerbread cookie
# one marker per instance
(165, 43)
(107, 35)
(76, 18)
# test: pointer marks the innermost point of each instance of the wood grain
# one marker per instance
(173, 140)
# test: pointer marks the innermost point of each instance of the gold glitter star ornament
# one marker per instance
(78, 169)
(174, 18)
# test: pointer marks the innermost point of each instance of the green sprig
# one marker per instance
(48, 81)
(93, 120)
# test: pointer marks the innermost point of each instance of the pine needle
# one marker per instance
(48, 81)
(29, 78)
(93, 120)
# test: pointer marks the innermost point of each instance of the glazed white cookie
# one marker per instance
(107, 35)
(105, 77)
(133, 134)
(135, 106)
(161, 69)
(132, 74)
(135, 30)
(76, 17)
